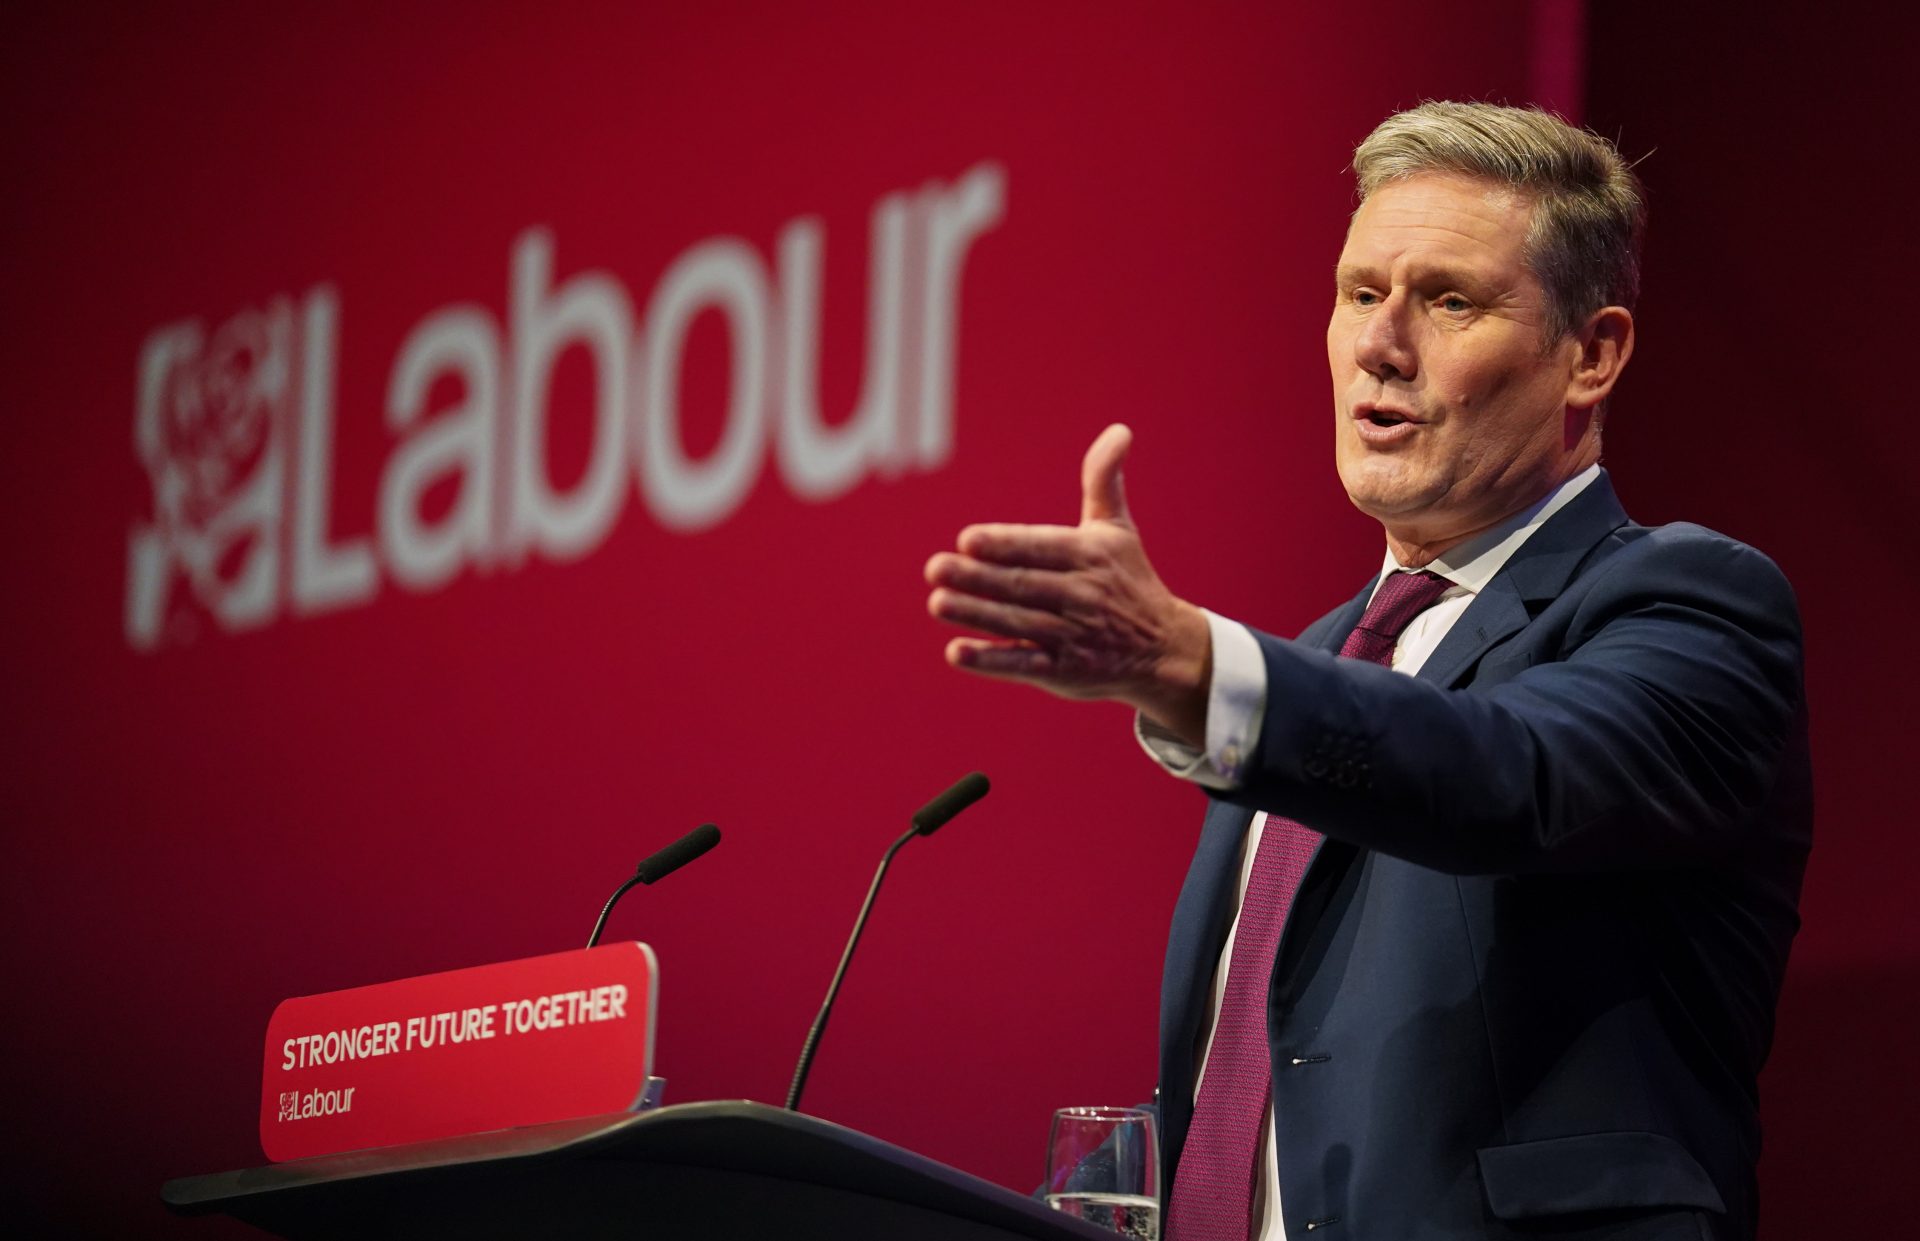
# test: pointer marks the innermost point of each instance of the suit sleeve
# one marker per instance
(1639, 721)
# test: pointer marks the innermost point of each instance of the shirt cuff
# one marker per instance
(1236, 700)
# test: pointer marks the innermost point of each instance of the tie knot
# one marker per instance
(1400, 598)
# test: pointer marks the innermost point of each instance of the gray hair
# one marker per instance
(1583, 243)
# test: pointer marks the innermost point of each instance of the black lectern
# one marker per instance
(711, 1171)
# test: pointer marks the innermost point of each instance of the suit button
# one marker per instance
(1315, 766)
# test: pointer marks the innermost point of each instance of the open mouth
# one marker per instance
(1383, 428)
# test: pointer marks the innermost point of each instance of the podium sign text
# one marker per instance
(518, 1043)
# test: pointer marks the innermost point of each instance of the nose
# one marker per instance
(1384, 345)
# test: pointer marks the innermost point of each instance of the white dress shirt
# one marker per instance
(1236, 702)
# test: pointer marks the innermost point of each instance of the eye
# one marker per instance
(1365, 297)
(1453, 303)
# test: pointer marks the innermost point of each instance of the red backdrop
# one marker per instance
(377, 759)
(1752, 406)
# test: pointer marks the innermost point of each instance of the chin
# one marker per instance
(1389, 493)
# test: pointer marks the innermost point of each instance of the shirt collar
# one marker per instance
(1472, 564)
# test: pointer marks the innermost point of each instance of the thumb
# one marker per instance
(1103, 495)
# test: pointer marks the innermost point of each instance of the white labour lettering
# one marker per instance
(333, 1046)
(492, 440)
(566, 1008)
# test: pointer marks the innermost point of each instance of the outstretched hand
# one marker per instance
(1078, 610)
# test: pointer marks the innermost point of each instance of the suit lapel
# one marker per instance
(1495, 614)
(1199, 928)
(1535, 576)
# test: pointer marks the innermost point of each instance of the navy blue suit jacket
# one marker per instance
(1529, 979)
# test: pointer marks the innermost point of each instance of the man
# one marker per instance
(1484, 942)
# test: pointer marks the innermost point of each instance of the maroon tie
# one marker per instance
(1212, 1197)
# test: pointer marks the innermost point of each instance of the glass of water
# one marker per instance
(1103, 1166)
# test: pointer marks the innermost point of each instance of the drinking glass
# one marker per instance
(1103, 1166)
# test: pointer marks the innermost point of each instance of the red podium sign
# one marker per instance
(518, 1043)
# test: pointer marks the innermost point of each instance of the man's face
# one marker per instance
(1450, 415)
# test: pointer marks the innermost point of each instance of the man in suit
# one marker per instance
(1488, 918)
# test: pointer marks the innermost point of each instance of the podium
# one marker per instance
(711, 1171)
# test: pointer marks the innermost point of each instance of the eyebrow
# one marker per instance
(1349, 274)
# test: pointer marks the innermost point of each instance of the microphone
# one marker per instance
(678, 854)
(933, 816)
(659, 866)
(930, 818)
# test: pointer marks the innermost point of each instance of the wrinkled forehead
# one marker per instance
(1445, 216)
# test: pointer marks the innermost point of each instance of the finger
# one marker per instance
(1035, 588)
(1009, 620)
(1103, 495)
(1037, 547)
(1018, 661)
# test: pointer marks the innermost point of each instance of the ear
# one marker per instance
(1606, 342)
